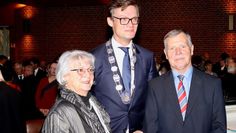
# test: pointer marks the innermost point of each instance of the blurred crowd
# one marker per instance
(28, 91)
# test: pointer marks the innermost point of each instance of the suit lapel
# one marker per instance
(172, 96)
(194, 92)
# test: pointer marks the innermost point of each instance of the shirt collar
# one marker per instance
(187, 74)
(35, 71)
(115, 44)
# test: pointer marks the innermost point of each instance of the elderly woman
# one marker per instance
(76, 111)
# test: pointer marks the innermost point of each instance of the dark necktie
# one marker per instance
(126, 72)
(182, 97)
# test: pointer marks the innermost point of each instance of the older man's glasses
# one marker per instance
(125, 21)
(82, 71)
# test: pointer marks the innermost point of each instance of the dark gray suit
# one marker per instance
(205, 112)
(104, 89)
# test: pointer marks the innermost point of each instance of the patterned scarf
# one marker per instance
(98, 121)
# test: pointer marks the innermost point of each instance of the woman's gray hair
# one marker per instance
(66, 58)
(174, 33)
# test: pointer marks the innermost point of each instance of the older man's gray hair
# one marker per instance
(174, 33)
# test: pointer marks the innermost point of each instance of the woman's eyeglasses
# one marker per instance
(82, 71)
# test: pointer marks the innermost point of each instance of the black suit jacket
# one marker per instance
(11, 114)
(205, 112)
(40, 74)
(28, 87)
(104, 89)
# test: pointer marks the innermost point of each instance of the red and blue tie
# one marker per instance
(182, 97)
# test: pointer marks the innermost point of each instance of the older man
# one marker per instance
(184, 100)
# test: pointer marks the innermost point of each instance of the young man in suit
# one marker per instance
(121, 77)
(185, 100)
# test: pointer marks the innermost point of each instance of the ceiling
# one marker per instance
(55, 3)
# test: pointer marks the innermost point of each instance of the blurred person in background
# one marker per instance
(208, 68)
(39, 73)
(3, 60)
(47, 90)
(43, 65)
(164, 68)
(18, 73)
(28, 87)
(220, 67)
(230, 63)
(229, 80)
(11, 110)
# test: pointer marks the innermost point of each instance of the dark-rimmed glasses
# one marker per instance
(125, 21)
(82, 71)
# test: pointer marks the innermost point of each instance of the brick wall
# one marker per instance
(56, 29)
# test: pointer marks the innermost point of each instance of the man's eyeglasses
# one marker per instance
(82, 71)
(125, 21)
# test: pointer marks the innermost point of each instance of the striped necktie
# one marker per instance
(182, 97)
